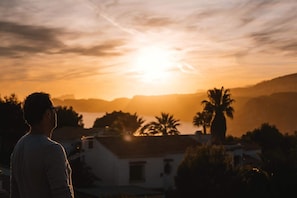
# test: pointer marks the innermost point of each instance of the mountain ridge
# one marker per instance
(250, 102)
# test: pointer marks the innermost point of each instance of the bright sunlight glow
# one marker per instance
(154, 63)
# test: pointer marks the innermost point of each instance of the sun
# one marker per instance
(154, 63)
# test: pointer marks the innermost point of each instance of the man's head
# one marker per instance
(36, 107)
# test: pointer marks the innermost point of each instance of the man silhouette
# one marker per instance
(39, 166)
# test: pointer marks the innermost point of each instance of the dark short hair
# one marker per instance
(35, 106)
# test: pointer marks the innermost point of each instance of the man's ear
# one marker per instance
(48, 113)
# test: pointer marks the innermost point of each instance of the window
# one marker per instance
(167, 166)
(237, 160)
(136, 171)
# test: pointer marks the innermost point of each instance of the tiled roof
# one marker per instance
(147, 146)
(70, 133)
(251, 146)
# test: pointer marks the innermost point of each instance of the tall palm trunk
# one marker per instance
(218, 128)
(204, 129)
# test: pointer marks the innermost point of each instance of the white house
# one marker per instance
(244, 155)
(143, 161)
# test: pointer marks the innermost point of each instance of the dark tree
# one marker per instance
(119, 122)
(279, 156)
(267, 136)
(206, 172)
(219, 105)
(12, 125)
(67, 116)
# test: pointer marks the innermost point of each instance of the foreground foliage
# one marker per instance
(206, 171)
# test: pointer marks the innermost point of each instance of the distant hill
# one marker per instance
(279, 109)
(287, 83)
(273, 101)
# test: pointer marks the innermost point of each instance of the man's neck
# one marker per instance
(40, 130)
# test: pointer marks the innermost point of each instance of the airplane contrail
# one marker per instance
(102, 14)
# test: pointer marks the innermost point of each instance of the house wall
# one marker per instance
(114, 171)
(235, 156)
(101, 161)
(154, 171)
(255, 153)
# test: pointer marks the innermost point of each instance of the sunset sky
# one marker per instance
(110, 49)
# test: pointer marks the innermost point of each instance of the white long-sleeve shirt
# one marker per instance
(40, 169)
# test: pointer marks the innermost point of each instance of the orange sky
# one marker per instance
(110, 49)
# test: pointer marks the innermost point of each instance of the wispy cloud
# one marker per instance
(25, 40)
(108, 48)
(153, 21)
(30, 32)
(21, 39)
(244, 27)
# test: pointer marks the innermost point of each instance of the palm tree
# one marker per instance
(219, 105)
(202, 119)
(165, 125)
